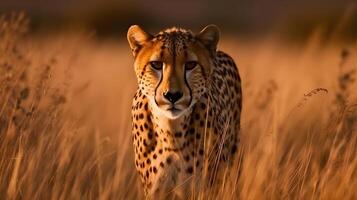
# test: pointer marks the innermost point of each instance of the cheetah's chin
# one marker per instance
(173, 113)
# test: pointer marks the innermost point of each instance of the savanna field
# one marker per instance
(65, 125)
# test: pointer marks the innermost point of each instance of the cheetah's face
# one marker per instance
(173, 66)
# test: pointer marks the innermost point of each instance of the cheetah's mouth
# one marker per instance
(173, 109)
(170, 110)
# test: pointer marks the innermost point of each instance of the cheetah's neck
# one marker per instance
(170, 130)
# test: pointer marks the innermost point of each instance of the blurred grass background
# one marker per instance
(291, 19)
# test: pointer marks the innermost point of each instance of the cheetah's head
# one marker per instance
(173, 66)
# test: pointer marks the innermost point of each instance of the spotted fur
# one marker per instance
(178, 149)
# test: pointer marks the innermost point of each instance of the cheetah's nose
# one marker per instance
(172, 96)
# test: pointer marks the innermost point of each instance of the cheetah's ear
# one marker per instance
(209, 36)
(136, 38)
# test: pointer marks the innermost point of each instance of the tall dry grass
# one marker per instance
(65, 118)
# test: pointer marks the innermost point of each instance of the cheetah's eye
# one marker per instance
(190, 65)
(157, 65)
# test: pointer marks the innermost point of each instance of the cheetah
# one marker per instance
(186, 110)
